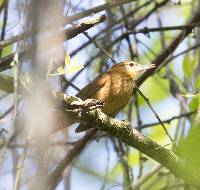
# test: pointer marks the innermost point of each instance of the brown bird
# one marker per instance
(114, 88)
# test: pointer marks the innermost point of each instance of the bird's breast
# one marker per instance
(115, 94)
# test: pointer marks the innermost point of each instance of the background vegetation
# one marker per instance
(62, 45)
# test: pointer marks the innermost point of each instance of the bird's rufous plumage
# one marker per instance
(114, 88)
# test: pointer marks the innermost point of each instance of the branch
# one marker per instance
(159, 61)
(147, 30)
(123, 36)
(56, 175)
(69, 33)
(115, 23)
(69, 19)
(130, 136)
(167, 120)
(156, 115)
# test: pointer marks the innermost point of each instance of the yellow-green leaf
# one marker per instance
(60, 70)
(73, 69)
(187, 66)
(192, 95)
(67, 59)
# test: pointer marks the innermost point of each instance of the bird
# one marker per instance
(113, 88)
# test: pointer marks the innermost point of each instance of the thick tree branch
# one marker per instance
(123, 131)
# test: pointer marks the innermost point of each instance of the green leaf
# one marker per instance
(70, 67)
(197, 82)
(7, 50)
(192, 95)
(187, 66)
(189, 150)
(194, 104)
(67, 59)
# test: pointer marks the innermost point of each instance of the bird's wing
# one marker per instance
(90, 90)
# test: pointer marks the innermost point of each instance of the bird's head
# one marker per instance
(131, 68)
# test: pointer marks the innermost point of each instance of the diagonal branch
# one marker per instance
(130, 136)
(168, 51)
(69, 33)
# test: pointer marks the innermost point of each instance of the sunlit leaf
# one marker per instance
(60, 70)
(7, 50)
(191, 95)
(189, 64)
(133, 158)
(73, 69)
(67, 59)
(194, 104)
(70, 67)
(197, 82)
(117, 170)
(187, 68)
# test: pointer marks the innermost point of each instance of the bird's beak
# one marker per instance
(146, 67)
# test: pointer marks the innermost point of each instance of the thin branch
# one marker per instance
(120, 38)
(147, 30)
(156, 115)
(5, 18)
(98, 45)
(167, 120)
(68, 20)
(146, 177)
(159, 61)
(56, 174)
(115, 22)
(69, 33)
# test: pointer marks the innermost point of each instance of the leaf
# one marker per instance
(73, 69)
(194, 104)
(7, 50)
(197, 82)
(189, 150)
(191, 95)
(187, 66)
(67, 59)
(60, 70)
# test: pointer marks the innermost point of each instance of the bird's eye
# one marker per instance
(131, 64)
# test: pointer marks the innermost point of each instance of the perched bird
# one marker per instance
(114, 87)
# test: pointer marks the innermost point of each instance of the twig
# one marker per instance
(107, 164)
(168, 50)
(181, 53)
(120, 38)
(100, 47)
(156, 115)
(56, 174)
(5, 18)
(115, 22)
(147, 30)
(69, 33)
(69, 19)
(143, 179)
(167, 120)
